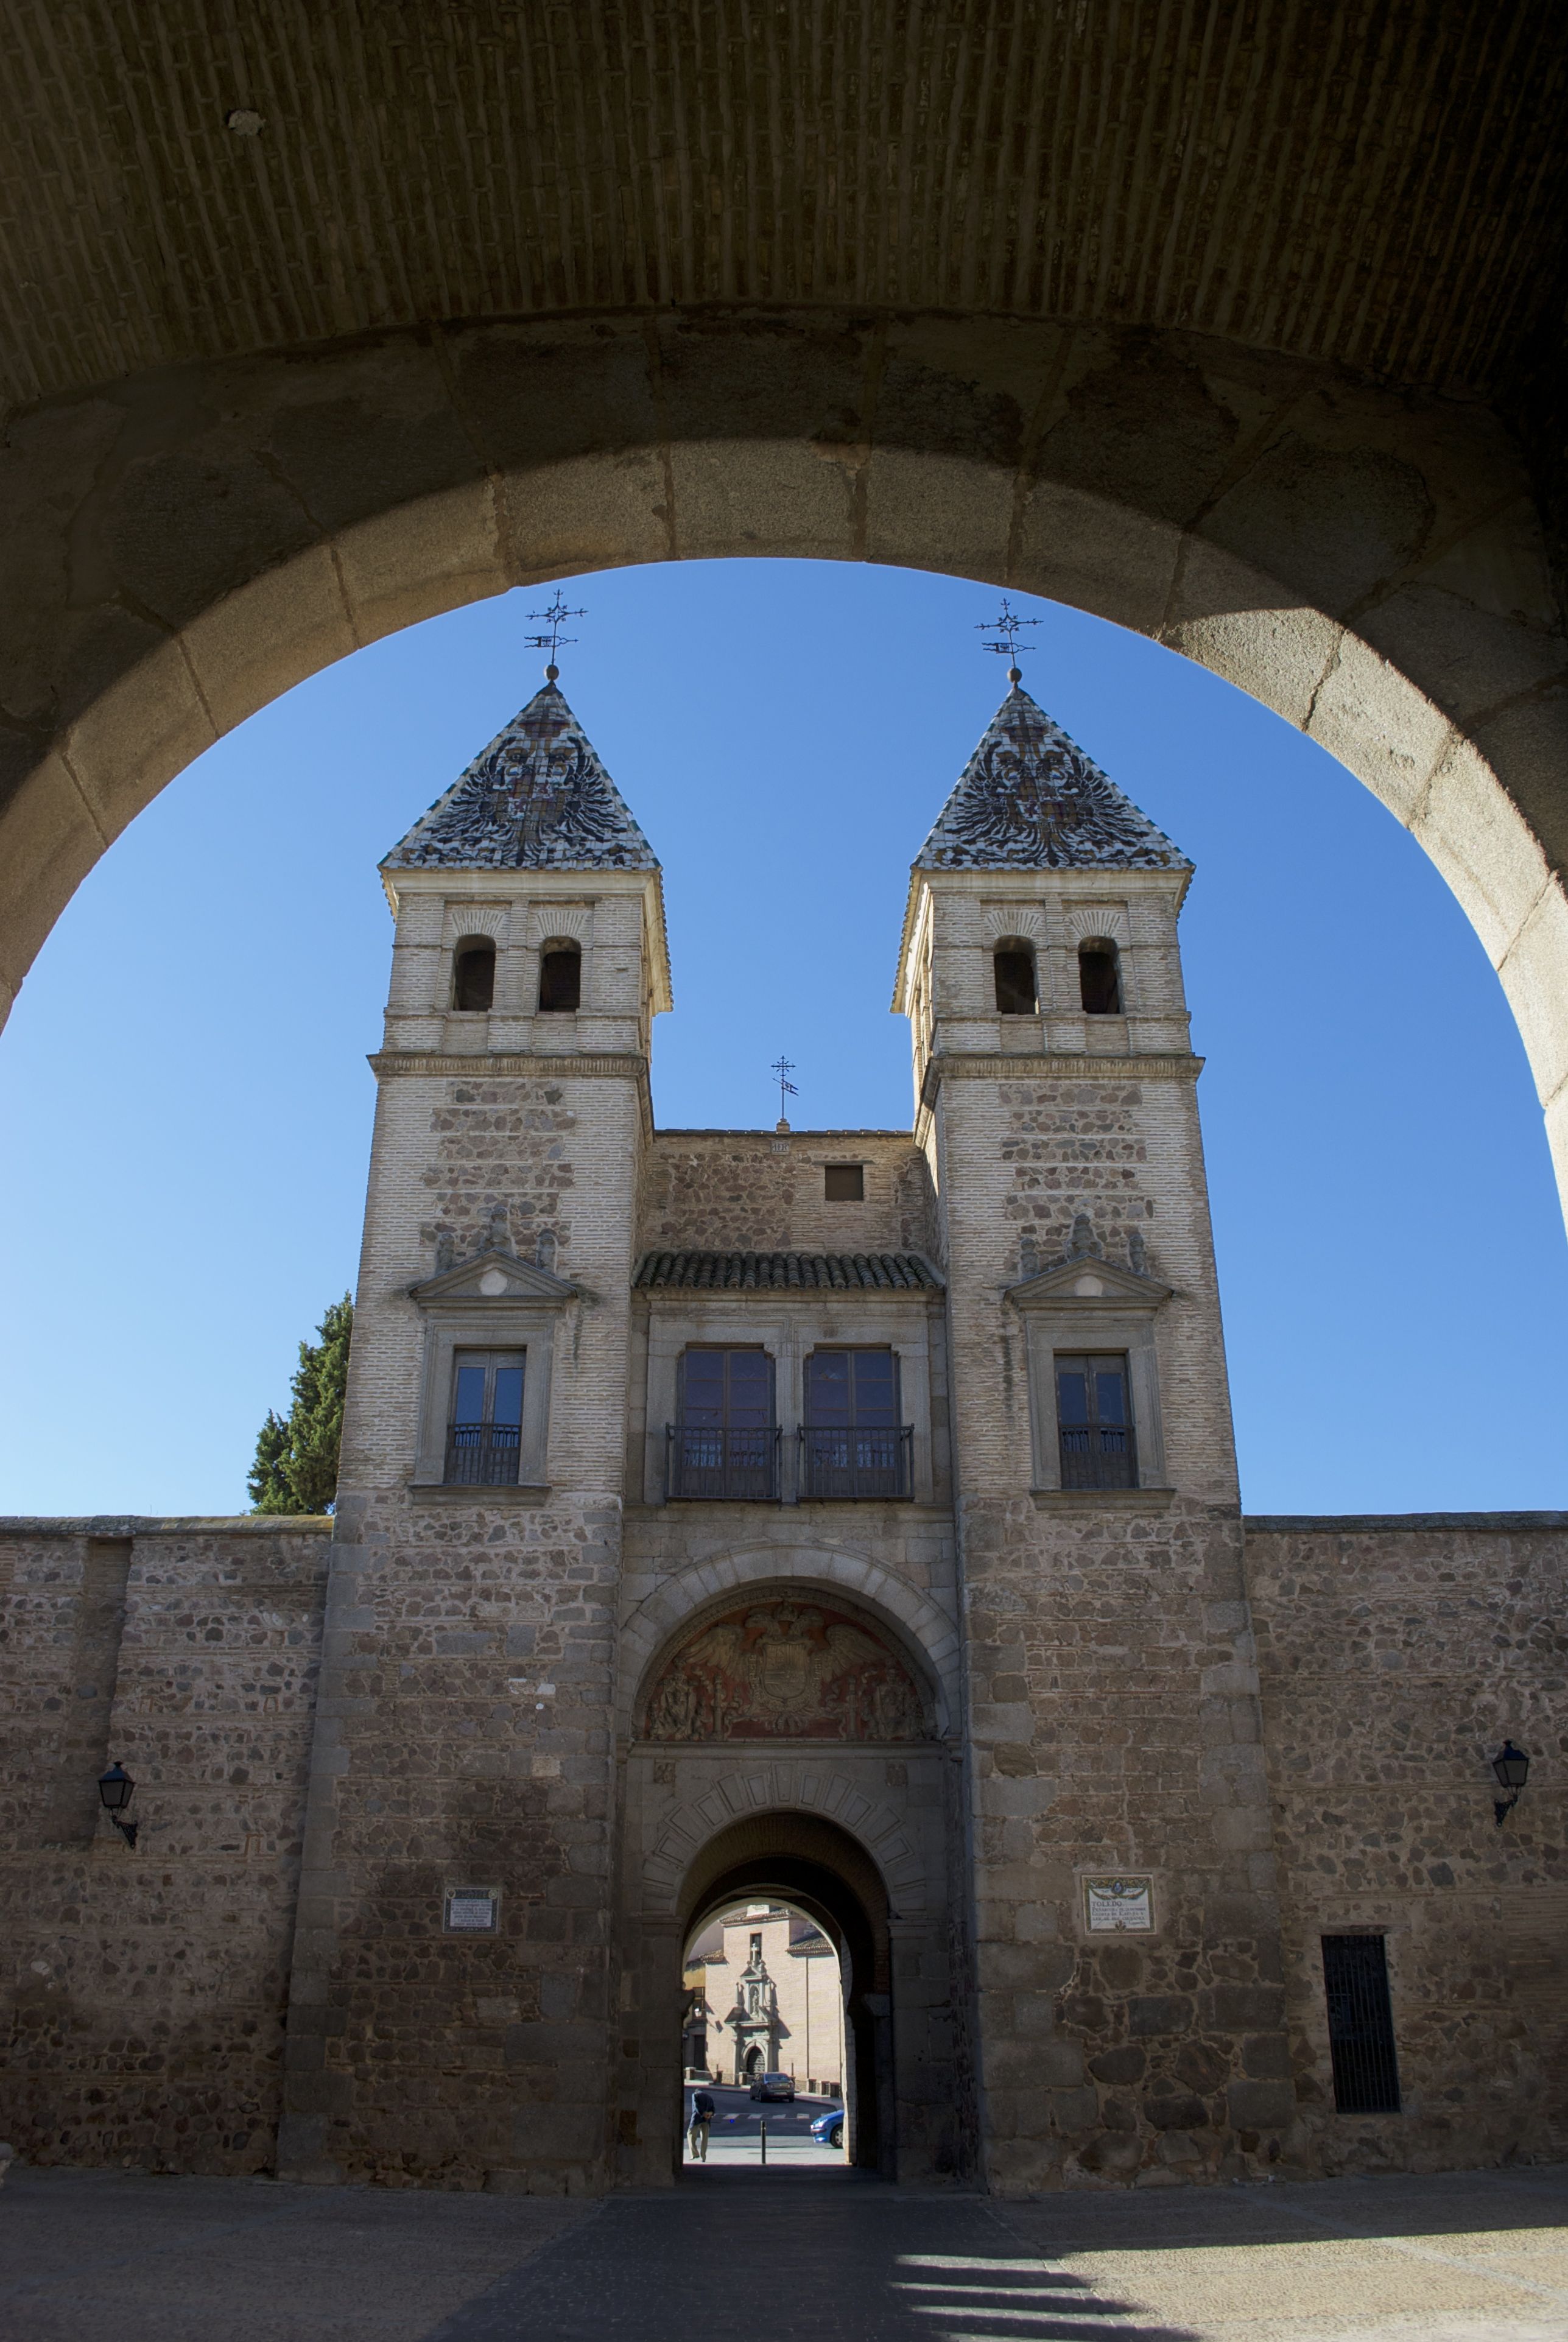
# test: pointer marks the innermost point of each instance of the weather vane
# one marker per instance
(783, 1066)
(554, 617)
(1009, 626)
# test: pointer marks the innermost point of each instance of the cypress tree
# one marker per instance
(295, 1467)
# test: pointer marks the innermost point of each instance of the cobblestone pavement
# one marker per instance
(793, 2256)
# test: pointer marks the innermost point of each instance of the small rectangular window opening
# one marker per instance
(1099, 984)
(844, 1183)
(560, 980)
(1360, 2025)
(1013, 967)
(484, 1433)
(1095, 1423)
(473, 975)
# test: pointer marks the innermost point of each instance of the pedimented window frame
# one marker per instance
(1089, 1305)
(490, 1303)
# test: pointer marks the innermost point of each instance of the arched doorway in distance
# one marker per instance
(817, 1868)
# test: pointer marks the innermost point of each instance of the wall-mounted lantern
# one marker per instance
(1511, 1768)
(116, 1788)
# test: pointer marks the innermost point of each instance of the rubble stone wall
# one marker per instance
(754, 1191)
(468, 1679)
(1396, 1656)
(144, 1992)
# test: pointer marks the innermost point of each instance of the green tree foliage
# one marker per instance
(295, 1467)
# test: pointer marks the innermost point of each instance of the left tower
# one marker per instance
(450, 1996)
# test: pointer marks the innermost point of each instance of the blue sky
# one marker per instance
(189, 1105)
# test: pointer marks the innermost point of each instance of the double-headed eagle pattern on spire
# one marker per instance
(1030, 799)
(537, 798)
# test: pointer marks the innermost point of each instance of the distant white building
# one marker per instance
(766, 1998)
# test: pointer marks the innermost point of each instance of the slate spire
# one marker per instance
(1030, 799)
(537, 798)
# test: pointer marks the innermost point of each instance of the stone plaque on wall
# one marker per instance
(471, 1910)
(1119, 1905)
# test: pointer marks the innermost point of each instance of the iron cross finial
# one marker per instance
(782, 1066)
(1008, 626)
(554, 617)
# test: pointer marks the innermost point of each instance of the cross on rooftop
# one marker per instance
(1009, 626)
(781, 1066)
(554, 617)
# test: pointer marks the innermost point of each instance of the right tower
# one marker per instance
(1128, 2009)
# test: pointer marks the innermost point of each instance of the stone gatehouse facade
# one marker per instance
(848, 1518)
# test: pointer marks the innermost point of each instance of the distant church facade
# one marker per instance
(842, 1520)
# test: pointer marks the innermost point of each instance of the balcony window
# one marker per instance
(725, 1444)
(485, 1432)
(1095, 1423)
(853, 1443)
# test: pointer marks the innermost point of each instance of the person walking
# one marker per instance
(701, 2124)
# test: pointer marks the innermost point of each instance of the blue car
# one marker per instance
(828, 2128)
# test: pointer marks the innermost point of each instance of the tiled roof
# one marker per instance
(1030, 799)
(537, 798)
(785, 1272)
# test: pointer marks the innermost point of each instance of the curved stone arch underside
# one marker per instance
(812, 1784)
(681, 1599)
(182, 547)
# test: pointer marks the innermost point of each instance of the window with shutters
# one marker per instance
(485, 1431)
(1094, 1422)
(854, 1443)
(1360, 2025)
(725, 1442)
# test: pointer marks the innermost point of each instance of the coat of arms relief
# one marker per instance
(786, 1670)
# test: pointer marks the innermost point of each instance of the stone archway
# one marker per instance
(822, 1871)
(1365, 561)
(861, 1831)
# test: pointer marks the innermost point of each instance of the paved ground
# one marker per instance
(789, 2256)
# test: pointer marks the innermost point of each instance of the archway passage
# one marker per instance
(802, 1861)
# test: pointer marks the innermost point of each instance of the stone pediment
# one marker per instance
(1087, 1279)
(494, 1276)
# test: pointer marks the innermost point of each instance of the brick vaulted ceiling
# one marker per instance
(1380, 184)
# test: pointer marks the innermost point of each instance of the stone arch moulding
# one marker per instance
(679, 1602)
(811, 1785)
(180, 547)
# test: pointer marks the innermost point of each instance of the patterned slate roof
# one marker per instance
(537, 798)
(785, 1272)
(1030, 799)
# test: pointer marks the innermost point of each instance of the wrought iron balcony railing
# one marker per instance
(743, 1466)
(850, 1463)
(1097, 1456)
(483, 1454)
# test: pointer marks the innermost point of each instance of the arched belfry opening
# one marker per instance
(815, 1867)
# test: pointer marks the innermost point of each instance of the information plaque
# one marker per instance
(1119, 1905)
(471, 1910)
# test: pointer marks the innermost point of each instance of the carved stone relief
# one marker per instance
(778, 1670)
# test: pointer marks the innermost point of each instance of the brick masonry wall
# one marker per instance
(1396, 1656)
(145, 1991)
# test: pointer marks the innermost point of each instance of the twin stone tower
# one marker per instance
(850, 1515)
